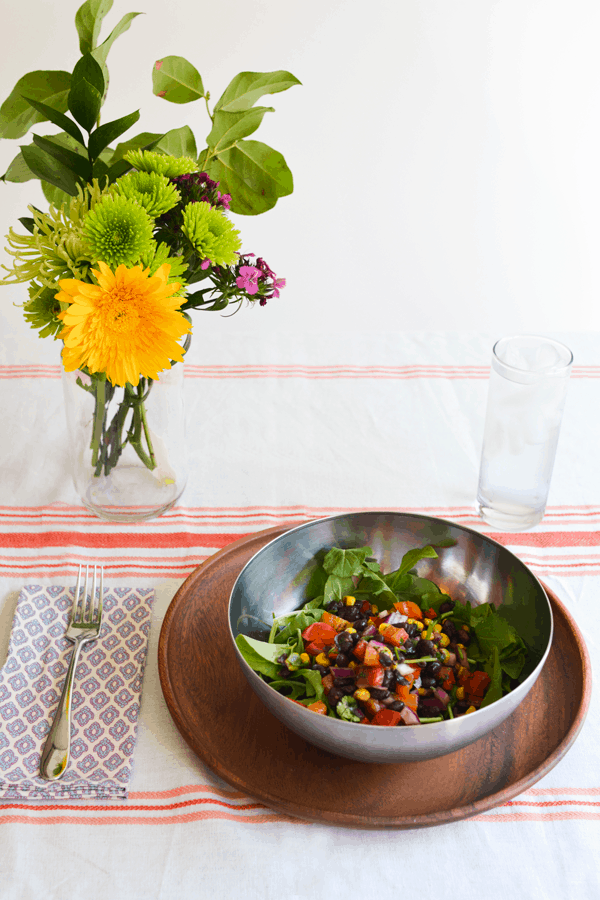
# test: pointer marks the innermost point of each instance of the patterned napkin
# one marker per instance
(105, 699)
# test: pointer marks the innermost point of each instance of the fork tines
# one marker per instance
(83, 609)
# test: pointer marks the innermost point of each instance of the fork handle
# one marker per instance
(55, 754)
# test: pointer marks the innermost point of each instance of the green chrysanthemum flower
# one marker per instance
(42, 309)
(211, 233)
(118, 230)
(161, 163)
(158, 256)
(152, 191)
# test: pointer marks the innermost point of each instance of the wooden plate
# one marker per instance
(228, 727)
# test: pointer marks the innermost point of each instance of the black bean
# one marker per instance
(463, 636)
(411, 629)
(342, 660)
(427, 681)
(334, 696)
(361, 624)
(447, 606)
(400, 679)
(343, 641)
(284, 672)
(386, 657)
(333, 607)
(424, 648)
(378, 693)
(320, 669)
(342, 682)
(397, 705)
(352, 613)
(400, 657)
(348, 688)
(387, 678)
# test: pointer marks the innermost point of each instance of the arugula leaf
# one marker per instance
(494, 632)
(300, 621)
(372, 583)
(345, 563)
(398, 581)
(315, 605)
(316, 584)
(412, 557)
(260, 655)
(296, 689)
(314, 687)
(513, 659)
(493, 669)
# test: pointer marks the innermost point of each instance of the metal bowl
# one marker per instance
(470, 566)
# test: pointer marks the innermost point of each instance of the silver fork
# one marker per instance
(84, 627)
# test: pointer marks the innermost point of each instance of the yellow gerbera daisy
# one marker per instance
(125, 326)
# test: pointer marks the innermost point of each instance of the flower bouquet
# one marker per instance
(136, 236)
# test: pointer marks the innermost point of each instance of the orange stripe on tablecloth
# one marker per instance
(149, 820)
(541, 803)
(537, 817)
(139, 540)
(186, 789)
(182, 539)
(572, 790)
(133, 808)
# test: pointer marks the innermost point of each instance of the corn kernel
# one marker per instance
(461, 672)
(460, 693)
(322, 660)
(349, 601)
(305, 657)
(352, 664)
(461, 647)
(470, 710)
(374, 609)
(427, 622)
(421, 692)
(444, 641)
(350, 630)
(361, 694)
(419, 626)
(445, 653)
(383, 627)
(466, 628)
(437, 626)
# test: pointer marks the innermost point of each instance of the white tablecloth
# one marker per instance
(280, 431)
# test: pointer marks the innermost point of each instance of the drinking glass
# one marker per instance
(526, 396)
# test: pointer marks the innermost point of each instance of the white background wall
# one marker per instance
(445, 153)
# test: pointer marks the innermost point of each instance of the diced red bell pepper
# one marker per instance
(372, 707)
(477, 684)
(408, 698)
(320, 632)
(375, 675)
(447, 678)
(395, 636)
(431, 613)
(371, 657)
(336, 622)
(327, 682)
(319, 707)
(410, 609)
(360, 649)
(386, 717)
(313, 649)
(366, 607)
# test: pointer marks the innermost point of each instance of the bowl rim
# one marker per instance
(531, 678)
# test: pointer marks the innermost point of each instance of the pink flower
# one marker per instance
(205, 264)
(248, 279)
(277, 284)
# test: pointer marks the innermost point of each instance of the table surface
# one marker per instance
(281, 431)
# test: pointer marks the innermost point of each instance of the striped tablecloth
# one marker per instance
(282, 431)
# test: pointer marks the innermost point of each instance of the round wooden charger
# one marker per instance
(228, 727)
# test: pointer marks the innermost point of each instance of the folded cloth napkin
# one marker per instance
(105, 699)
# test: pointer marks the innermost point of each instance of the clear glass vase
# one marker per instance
(128, 449)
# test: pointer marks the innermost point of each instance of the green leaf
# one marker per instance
(344, 709)
(316, 584)
(88, 69)
(398, 582)
(373, 583)
(260, 655)
(176, 80)
(18, 171)
(102, 136)
(54, 195)
(412, 557)
(16, 113)
(100, 53)
(492, 667)
(230, 127)
(293, 689)
(178, 142)
(28, 223)
(336, 588)
(494, 632)
(514, 662)
(88, 21)
(49, 169)
(247, 87)
(346, 562)
(53, 115)
(313, 678)
(85, 103)
(254, 174)
(73, 161)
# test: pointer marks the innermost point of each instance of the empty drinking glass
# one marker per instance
(526, 397)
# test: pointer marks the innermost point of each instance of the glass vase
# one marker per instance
(128, 449)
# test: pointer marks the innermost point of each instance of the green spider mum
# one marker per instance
(211, 234)
(161, 163)
(118, 230)
(57, 248)
(152, 191)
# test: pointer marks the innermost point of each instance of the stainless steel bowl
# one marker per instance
(469, 566)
